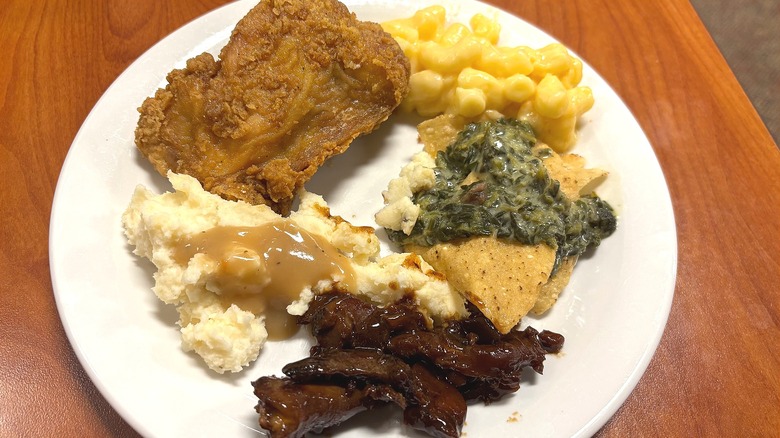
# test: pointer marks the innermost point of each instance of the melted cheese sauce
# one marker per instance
(263, 269)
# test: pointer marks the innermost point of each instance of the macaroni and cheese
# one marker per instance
(459, 69)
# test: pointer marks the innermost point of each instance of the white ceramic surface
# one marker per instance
(612, 314)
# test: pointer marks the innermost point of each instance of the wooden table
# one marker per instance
(717, 370)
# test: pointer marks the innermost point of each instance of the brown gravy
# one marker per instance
(263, 269)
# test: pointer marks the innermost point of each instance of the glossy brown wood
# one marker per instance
(717, 370)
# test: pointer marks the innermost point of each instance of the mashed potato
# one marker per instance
(400, 213)
(223, 298)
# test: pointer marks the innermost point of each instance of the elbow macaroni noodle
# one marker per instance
(461, 70)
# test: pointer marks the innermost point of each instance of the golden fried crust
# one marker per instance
(296, 83)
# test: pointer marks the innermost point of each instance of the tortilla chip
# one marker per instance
(550, 291)
(438, 133)
(570, 171)
(502, 278)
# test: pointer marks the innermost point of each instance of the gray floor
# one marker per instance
(748, 34)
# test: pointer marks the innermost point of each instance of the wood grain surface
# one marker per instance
(717, 369)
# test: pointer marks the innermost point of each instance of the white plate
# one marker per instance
(612, 314)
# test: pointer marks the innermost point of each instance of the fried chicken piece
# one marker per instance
(296, 83)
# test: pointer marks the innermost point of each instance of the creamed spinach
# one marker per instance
(492, 182)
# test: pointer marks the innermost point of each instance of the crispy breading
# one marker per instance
(296, 83)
